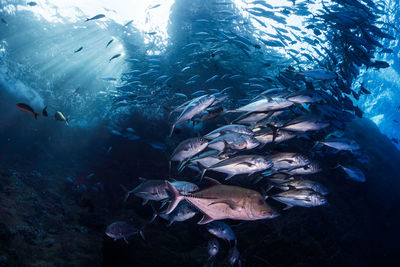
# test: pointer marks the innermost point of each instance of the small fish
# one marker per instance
(319, 74)
(354, 173)
(31, 3)
(234, 257)
(158, 145)
(189, 148)
(221, 230)
(113, 57)
(44, 112)
(149, 190)
(109, 150)
(183, 212)
(340, 144)
(4, 21)
(300, 197)
(109, 42)
(60, 117)
(128, 23)
(27, 109)
(213, 248)
(116, 132)
(303, 184)
(122, 230)
(78, 50)
(90, 176)
(99, 16)
(155, 6)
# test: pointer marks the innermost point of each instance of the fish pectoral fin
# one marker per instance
(212, 181)
(230, 203)
(287, 207)
(206, 219)
(145, 202)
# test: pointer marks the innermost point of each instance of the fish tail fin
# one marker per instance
(176, 198)
(36, 115)
(126, 192)
(274, 131)
(155, 214)
(141, 233)
(172, 130)
(168, 109)
(203, 170)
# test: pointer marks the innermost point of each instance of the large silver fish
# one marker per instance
(233, 141)
(305, 123)
(300, 197)
(231, 128)
(245, 164)
(188, 148)
(192, 109)
(219, 202)
(288, 161)
(265, 104)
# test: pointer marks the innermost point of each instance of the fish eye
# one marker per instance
(260, 202)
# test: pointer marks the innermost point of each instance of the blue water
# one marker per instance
(115, 78)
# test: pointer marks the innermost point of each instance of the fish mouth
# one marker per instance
(271, 214)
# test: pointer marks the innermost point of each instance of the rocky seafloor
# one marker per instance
(48, 219)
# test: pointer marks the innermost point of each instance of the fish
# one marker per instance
(99, 16)
(212, 248)
(340, 144)
(301, 198)
(219, 202)
(231, 128)
(122, 230)
(308, 169)
(31, 3)
(189, 148)
(221, 230)
(234, 256)
(158, 145)
(109, 42)
(155, 190)
(264, 105)
(233, 141)
(182, 212)
(305, 123)
(78, 50)
(303, 184)
(194, 107)
(266, 136)
(114, 57)
(244, 164)
(354, 173)
(288, 161)
(319, 74)
(185, 187)
(205, 159)
(27, 109)
(60, 117)
(128, 23)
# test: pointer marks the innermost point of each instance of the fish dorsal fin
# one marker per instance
(142, 179)
(212, 181)
(206, 219)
